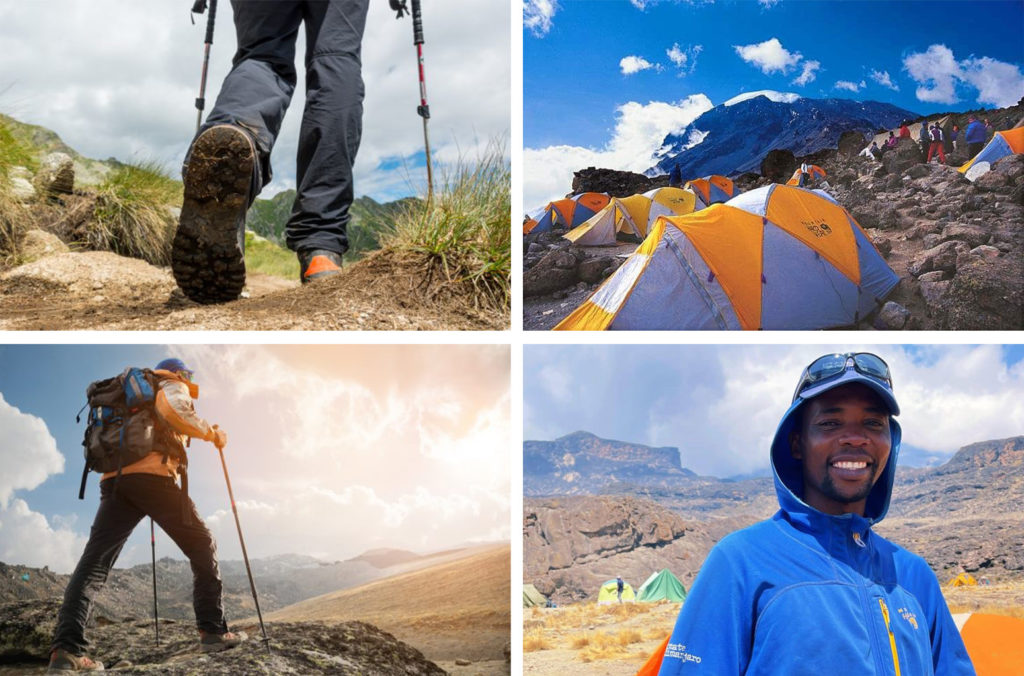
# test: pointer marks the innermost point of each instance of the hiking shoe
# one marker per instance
(208, 255)
(316, 264)
(62, 660)
(214, 643)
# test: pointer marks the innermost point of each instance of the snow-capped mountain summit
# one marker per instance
(735, 136)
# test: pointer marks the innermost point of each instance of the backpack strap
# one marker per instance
(85, 476)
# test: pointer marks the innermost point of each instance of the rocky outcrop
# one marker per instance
(573, 545)
(615, 183)
(26, 629)
(56, 175)
(778, 165)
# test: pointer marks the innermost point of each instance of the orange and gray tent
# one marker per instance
(568, 212)
(994, 642)
(814, 173)
(712, 189)
(632, 215)
(777, 257)
(1002, 144)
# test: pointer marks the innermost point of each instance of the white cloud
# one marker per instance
(27, 539)
(769, 56)
(882, 78)
(28, 452)
(768, 4)
(935, 71)
(537, 16)
(938, 73)
(850, 86)
(681, 57)
(639, 132)
(808, 74)
(778, 97)
(634, 64)
(130, 95)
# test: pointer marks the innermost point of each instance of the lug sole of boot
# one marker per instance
(207, 256)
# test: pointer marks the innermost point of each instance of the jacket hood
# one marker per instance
(788, 471)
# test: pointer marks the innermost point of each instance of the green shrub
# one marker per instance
(133, 215)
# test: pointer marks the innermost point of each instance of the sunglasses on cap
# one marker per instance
(832, 365)
(186, 374)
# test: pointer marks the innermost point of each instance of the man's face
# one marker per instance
(844, 443)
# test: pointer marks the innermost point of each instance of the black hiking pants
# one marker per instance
(257, 91)
(137, 496)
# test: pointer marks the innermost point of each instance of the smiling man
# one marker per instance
(813, 590)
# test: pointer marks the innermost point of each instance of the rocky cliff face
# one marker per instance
(739, 136)
(571, 546)
(582, 463)
(26, 629)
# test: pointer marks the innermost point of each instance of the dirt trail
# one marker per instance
(103, 291)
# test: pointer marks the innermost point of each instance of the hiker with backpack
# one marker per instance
(139, 426)
(228, 162)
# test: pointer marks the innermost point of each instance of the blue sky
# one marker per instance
(310, 431)
(595, 71)
(720, 404)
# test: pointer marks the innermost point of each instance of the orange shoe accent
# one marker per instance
(320, 264)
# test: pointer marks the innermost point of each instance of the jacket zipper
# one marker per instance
(892, 637)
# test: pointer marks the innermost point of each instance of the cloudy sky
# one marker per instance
(605, 82)
(720, 405)
(119, 79)
(332, 450)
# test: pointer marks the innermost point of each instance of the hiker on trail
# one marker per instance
(904, 130)
(675, 177)
(974, 136)
(953, 134)
(891, 141)
(875, 151)
(619, 586)
(936, 144)
(925, 137)
(814, 590)
(229, 160)
(990, 131)
(147, 487)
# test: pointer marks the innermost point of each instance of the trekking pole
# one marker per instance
(245, 555)
(156, 617)
(198, 8)
(423, 110)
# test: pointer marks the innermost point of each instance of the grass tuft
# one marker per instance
(263, 255)
(14, 153)
(133, 214)
(534, 641)
(465, 230)
(15, 219)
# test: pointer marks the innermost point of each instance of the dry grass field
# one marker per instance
(586, 639)
(458, 609)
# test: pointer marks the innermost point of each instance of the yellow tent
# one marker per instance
(962, 580)
(609, 593)
(632, 215)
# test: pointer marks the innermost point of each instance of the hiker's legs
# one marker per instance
(942, 153)
(257, 91)
(115, 519)
(931, 151)
(164, 502)
(331, 125)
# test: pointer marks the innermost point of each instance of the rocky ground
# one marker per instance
(104, 291)
(957, 246)
(130, 647)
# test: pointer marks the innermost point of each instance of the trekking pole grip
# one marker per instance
(209, 22)
(417, 23)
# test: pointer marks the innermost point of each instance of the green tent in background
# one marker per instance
(662, 586)
(532, 597)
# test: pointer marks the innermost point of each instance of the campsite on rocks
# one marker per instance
(895, 243)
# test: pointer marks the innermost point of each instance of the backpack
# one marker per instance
(122, 425)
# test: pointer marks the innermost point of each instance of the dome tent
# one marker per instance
(778, 257)
(632, 215)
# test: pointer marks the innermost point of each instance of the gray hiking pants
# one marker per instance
(137, 496)
(257, 91)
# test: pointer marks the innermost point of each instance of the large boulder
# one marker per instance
(778, 165)
(851, 143)
(615, 183)
(556, 270)
(38, 243)
(987, 293)
(905, 155)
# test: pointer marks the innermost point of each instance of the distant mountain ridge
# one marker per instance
(582, 463)
(734, 137)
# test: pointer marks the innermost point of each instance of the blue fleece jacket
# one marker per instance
(975, 132)
(807, 593)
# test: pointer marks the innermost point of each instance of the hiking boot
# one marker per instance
(214, 643)
(208, 255)
(316, 264)
(62, 660)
